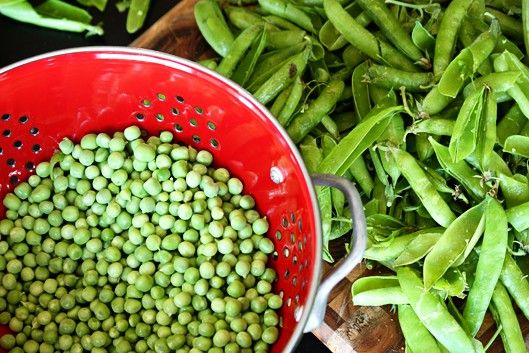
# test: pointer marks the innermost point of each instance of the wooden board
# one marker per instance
(347, 328)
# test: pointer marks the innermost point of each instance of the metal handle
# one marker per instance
(359, 243)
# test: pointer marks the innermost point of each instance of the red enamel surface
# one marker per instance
(77, 93)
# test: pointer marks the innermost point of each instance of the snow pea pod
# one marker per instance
(452, 244)
(209, 63)
(377, 291)
(334, 40)
(419, 247)
(487, 131)
(337, 197)
(247, 65)
(417, 337)
(238, 49)
(61, 9)
(515, 192)
(392, 78)
(518, 216)
(516, 283)
(362, 176)
(364, 40)
(136, 16)
(505, 316)
(303, 123)
(517, 145)
(422, 38)
(439, 127)
(360, 91)
(357, 141)
(421, 185)
(434, 102)
(330, 126)
(291, 102)
(289, 12)
(490, 263)
(311, 153)
(280, 100)
(498, 82)
(433, 314)
(213, 26)
(446, 37)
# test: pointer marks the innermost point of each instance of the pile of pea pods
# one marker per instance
(424, 105)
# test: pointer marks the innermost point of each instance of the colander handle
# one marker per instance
(358, 246)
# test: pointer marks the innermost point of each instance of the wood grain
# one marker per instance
(347, 328)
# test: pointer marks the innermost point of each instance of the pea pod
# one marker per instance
(517, 145)
(433, 314)
(525, 23)
(490, 263)
(302, 124)
(280, 22)
(419, 247)
(516, 283)
(430, 198)
(517, 216)
(289, 12)
(498, 82)
(247, 65)
(452, 244)
(418, 339)
(352, 57)
(337, 197)
(361, 91)
(330, 126)
(291, 103)
(60, 9)
(331, 38)
(285, 38)
(439, 127)
(280, 100)
(509, 25)
(239, 47)
(511, 124)
(213, 26)
(311, 153)
(452, 284)
(514, 191)
(487, 131)
(242, 18)
(364, 40)
(377, 290)
(505, 316)
(357, 141)
(392, 78)
(422, 38)
(362, 176)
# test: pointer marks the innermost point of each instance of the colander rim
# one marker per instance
(166, 59)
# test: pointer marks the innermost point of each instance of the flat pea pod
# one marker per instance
(516, 283)
(377, 291)
(303, 123)
(446, 37)
(452, 244)
(285, 38)
(467, 62)
(452, 284)
(392, 78)
(517, 145)
(291, 102)
(213, 26)
(515, 192)
(490, 263)
(325, 203)
(464, 138)
(136, 16)
(361, 175)
(498, 82)
(512, 123)
(283, 77)
(247, 65)
(419, 247)
(269, 63)
(417, 337)
(487, 131)
(505, 316)
(289, 12)
(518, 216)
(364, 40)
(438, 127)
(239, 47)
(337, 197)
(425, 190)
(360, 91)
(391, 28)
(433, 314)
(358, 140)
(422, 38)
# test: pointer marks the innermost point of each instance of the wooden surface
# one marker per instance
(347, 328)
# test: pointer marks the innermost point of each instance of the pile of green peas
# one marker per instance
(118, 244)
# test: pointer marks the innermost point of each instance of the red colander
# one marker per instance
(74, 92)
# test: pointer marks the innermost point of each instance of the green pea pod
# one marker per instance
(511, 124)
(325, 204)
(98, 4)
(517, 145)
(452, 244)
(319, 71)
(247, 65)
(289, 12)
(303, 123)
(280, 100)
(280, 22)
(352, 57)
(286, 74)
(357, 141)
(425, 190)
(330, 126)
(434, 102)
(437, 180)
(361, 91)
(269, 63)
(284, 39)
(362, 176)
(419, 247)
(209, 63)
(330, 37)
(238, 49)
(464, 137)
(136, 16)
(341, 227)
(516, 283)
(291, 103)
(433, 314)
(392, 78)
(505, 316)
(213, 26)
(490, 263)
(364, 40)
(438, 127)
(338, 198)
(242, 18)
(417, 337)
(452, 284)
(498, 82)
(446, 37)
(509, 25)
(379, 170)
(514, 191)
(423, 147)
(422, 38)
(517, 216)
(377, 291)
(61, 9)
(311, 153)
(487, 131)
(525, 23)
